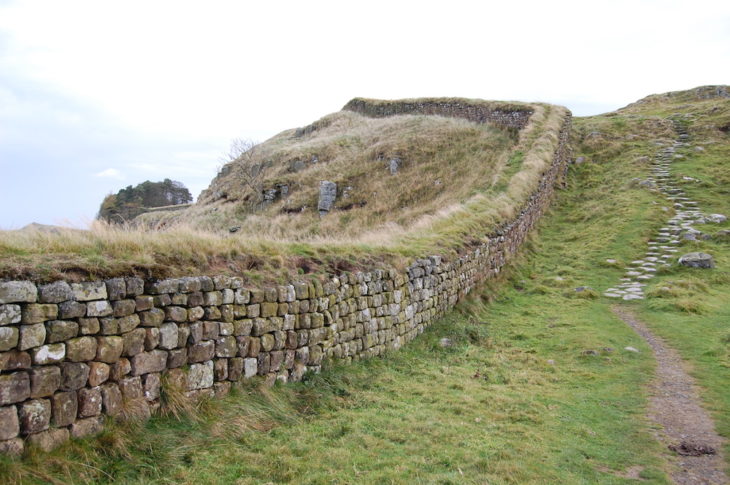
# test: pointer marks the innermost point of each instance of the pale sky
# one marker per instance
(97, 95)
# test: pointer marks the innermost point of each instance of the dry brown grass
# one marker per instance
(405, 214)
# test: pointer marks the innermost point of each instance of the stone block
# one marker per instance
(98, 373)
(64, 408)
(9, 337)
(200, 376)
(38, 313)
(109, 349)
(14, 388)
(183, 334)
(212, 313)
(100, 308)
(190, 284)
(61, 330)
(267, 342)
(89, 326)
(89, 290)
(89, 402)
(180, 299)
(116, 288)
(177, 358)
(111, 399)
(243, 345)
(195, 313)
(108, 326)
(31, 336)
(235, 368)
(49, 354)
(152, 318)
(48, 440)
(146, 362)
(176, 314)
(269, 309)
(202, 351)
(196, 299)
(220, 369)
(34, 415)
(143, 303)
(123, 308)
(55, 292)
(82, 349)
(242, 327)
(74, 375)
(151, 387)
(135, 286)
(18, 292)
(87, 427)
(12, 447)
(71, 309)
(131, 388)
(128, 323)
(254, 346)
(151, 338)
(9, 424)
(44, 381)
(276, 360)
(226, 347)
(263, 362)
(212, 298)
(171, 285)
(10, 314)
(168, 336)
(120, 369)
(14, 360)
(133, 342)
(250, 367)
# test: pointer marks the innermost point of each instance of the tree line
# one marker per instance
(130, 201)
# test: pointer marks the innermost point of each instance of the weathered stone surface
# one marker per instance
(163, 286)
(87, 291)
(327, 196)
(89, 402)
(31, 336)
(82, 349)
(87, 427)
(195, 313)
(176, 314)
(250, 367)
(116, 288)
(75, 375)
(109, 349)
(12, 447)
(9, 424)
(151, 338)
(120, 369)
(61, 330)
(177, 358)
(201, 351)
(49, 354)
(168, 336)
(38, 313)
(71, 309)
(111, 398)
(98, 373)
(14, 360)
(152, 318)
(14, 388)
(64, 407)
(267, 342)
(55, 292)
(133, 342)
(146, 362)
(101, 308)
(9, 337)
(9, 314)
(220, 369)
(108, 326)
(128, 323)
(697, 260)
(44, 381)
(143, 303)
(151, 386)
(210, 330)
(18, 292)
(131, 387)
(135, 286)
(226, 347)
(34, 415)
(235, 368)
(49, 440)
(123, 308)
(200, 375)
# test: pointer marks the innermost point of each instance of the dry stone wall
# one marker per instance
(73, 354)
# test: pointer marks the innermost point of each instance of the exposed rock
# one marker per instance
(61, 330)
(49, 354)
(697, 260)
(50, 439)
(31, 336)
(90, 290)
(200, 375)
(9, 314)
(18, 292)
(394, 165)
(327, 196)
(716, 218)
(34, 415)
(9, 424)
(55, 292)
(64, 406)
(9, 337)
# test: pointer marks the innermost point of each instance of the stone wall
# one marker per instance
(503, 114)
(72, 354)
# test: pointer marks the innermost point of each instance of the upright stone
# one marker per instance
(327, 196)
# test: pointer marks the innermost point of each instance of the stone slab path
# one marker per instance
(662, 248)
(674, 404)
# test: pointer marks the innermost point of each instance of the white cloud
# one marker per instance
(111, 173)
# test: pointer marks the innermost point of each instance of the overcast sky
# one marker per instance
(97, 95)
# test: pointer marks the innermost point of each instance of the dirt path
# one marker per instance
(687, 428)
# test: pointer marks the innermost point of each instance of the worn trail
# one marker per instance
(686, 427)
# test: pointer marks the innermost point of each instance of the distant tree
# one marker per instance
(130, 201)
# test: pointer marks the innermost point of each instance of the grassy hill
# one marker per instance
(407, 185)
